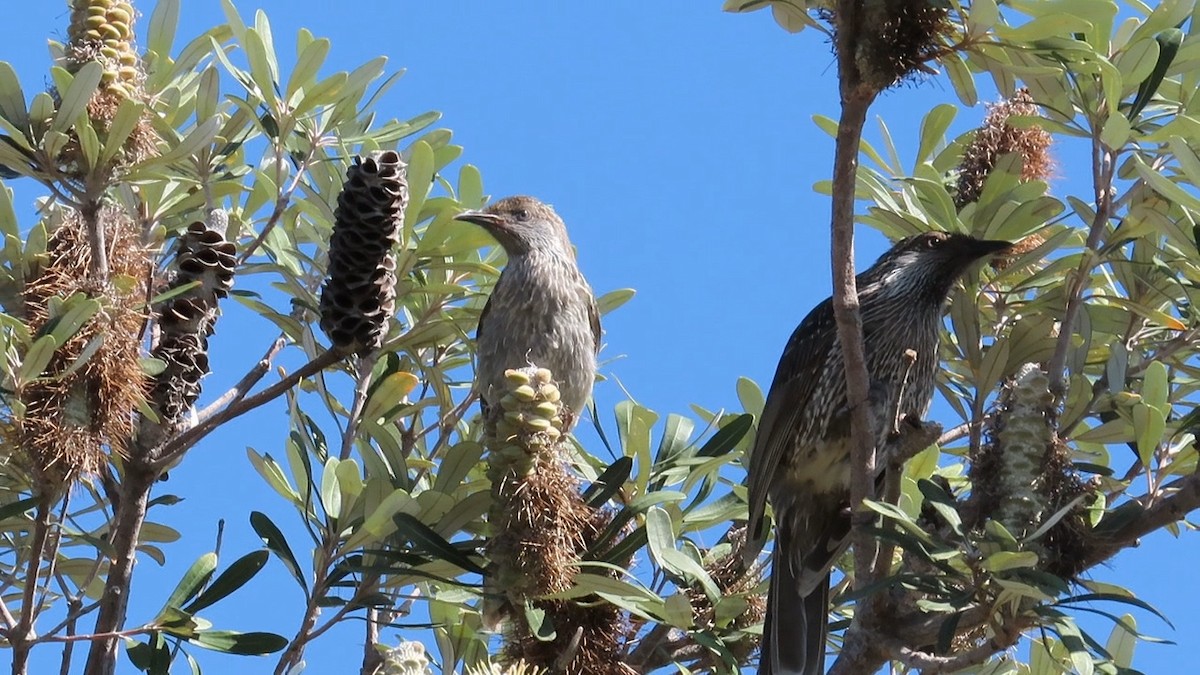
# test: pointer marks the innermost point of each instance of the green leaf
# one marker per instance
(456, 465)
(18, 507)
(933, 128)
(1169, 42)
(608, 482)
(233, 642)
(389, 394)
(126, 119)
(1150, 425)
(750, 396)
(427, 541)
(614, 299)
(191, 583)
(261, 65)
(307, 65)
(1122, 641)
(75, 99)
(1001, 561)
(12, 98)
(331, 494)
(727, 437)
(1155, 388)
(37, 358)
(164, 21)
(277, 543)
(233, 578)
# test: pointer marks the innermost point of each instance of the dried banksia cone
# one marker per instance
(204, 258)
(996, 138)
(897, 37)
(359, 295)
(540, 528)
(82, 406)
(734, 576)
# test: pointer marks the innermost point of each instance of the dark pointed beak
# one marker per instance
(980, 248)
(488, 221)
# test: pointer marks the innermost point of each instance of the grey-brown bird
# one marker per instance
(801, 456)
(541, 311)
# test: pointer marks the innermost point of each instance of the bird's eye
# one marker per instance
(933, 242)
(522, 214)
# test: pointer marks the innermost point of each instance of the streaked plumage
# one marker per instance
(541, 311)
(800, 458)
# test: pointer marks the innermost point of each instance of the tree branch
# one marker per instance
(175, 448)
(856, 98)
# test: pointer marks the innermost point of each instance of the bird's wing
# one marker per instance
(794, 384)
(594, 318)
(487, 306)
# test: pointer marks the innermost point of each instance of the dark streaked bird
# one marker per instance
(800, 459)
(541, 311)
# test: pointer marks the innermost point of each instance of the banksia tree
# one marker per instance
(359, 295)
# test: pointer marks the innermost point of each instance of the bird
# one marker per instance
(800, 459)
(541, 311)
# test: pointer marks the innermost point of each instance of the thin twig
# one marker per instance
(244, 385)
(366, 366)
(21, 638)
(175, 449)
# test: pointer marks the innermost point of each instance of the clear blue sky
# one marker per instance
(677, 143)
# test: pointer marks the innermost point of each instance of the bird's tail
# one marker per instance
(794, 631)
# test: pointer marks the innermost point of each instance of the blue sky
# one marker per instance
(677, 143)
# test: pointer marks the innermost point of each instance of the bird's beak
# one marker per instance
(488, 221)
(985, 247)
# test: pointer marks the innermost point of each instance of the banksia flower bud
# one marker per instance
(540, 528)
(406, 658)
(1023, 474)
(203, 257)
(102, 30)
(359, 295)
(518, 667)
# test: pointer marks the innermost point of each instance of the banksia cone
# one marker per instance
(1023, 474)
(84, 402)
(185, 321)
(997, 137)
(896, 38)
(359, 295)
(540, 528)
(518, 667)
